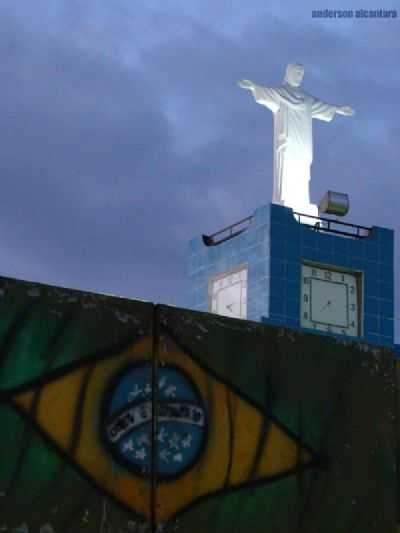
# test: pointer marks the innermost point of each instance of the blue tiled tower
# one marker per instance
(274, 248)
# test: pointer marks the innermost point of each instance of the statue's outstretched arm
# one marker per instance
(345, 110)
(262, 95)
(323, 111)
(246, 84)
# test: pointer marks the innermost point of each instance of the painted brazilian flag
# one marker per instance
(118, 415)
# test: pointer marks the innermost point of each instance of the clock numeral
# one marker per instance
(328, 275)
(314, 325)
(352, 289)
(343, 332)
(306, 298)
(342, 277)
(352, 307)
(329, 329)
(306, 281)
(314, 272)
(353, 325)
(305, 314)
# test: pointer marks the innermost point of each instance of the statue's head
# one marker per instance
(294, 74)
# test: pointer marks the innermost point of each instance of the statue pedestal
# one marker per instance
(258, 274)
(310, 209)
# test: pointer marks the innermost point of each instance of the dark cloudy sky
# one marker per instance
(124, 134)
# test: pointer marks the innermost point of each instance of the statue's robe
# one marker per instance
(293, 111)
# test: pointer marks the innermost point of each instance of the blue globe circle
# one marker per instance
(181, 421)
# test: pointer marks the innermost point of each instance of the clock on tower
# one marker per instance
(330, 300)
(228, 293)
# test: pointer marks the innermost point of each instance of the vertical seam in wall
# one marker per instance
(154, 418)
(396, 435)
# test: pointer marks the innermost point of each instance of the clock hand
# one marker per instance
(328, 303)
(229, 306)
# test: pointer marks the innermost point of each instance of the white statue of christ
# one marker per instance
(293, 111)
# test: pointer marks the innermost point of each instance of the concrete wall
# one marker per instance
(121, 416)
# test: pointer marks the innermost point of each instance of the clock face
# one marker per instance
(330, 300)
(228, 293)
